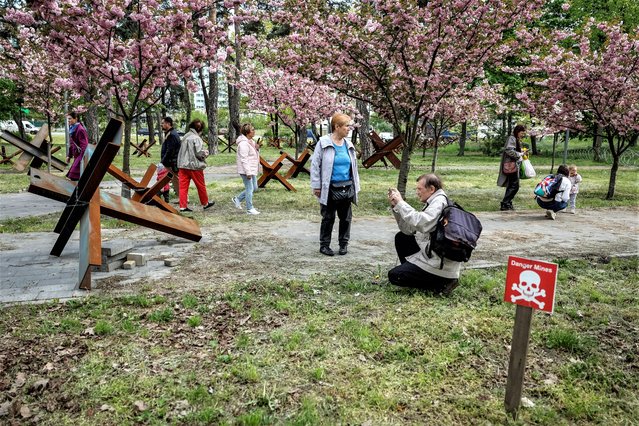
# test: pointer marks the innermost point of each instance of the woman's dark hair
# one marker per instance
(518, 128)
(563, 170)
(197, 125)
(246, 128)
(74, 115)
(431, 179)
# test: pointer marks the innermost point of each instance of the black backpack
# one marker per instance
(455, 235)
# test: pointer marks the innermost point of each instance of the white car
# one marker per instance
(30, 128)
(9, 126)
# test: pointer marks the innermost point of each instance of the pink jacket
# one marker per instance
(248, 156)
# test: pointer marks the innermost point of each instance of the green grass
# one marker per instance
(332, 350)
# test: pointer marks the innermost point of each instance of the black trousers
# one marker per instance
(512, 188)
(345, 215)
(409, 275)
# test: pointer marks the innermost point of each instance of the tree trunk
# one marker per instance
(211, 112)
(462, 139)
(555, 138)
(533, 144)
(275, 128)
(91, 124)
(234, 113)
(158, 120)
(404, 169)
(596, 144)
(186, 102)
(433, 163)
(364, 128)
(510, 123)
(300, 143)
(150, 125)
(126, 155)
(18, 119)
(234, 91)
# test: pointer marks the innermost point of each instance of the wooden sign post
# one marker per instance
(530, 284)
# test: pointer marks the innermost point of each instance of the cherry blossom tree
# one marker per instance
(126, 52)
(294, 99)
(462, 104)
(403, 57)
(583, 80)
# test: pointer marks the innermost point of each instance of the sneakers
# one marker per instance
(551, 214)
(236, 203)
(572, 211)
(343, 250)
(327, 251)
(209, 205)
(186, 209)
(252, 211)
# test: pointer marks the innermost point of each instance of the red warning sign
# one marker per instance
(531, 283)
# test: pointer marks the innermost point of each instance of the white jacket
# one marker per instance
(420, 223)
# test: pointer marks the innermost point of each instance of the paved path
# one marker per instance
(30, 274)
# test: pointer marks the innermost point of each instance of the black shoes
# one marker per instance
(210, 204)
(505, 207)
(327, 251)
(448, 289)
(186, 209)
(343, 250)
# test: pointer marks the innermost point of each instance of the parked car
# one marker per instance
(143, 131)
(30, 128)
(9, 126)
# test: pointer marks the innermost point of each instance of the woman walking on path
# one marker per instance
(509, 167)
(191, 166)
(78, 142)
(248, 163)
(335, 182)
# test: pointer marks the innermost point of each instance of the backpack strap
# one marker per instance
(429, 252)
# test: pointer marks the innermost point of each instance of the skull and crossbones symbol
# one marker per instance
(528, 288)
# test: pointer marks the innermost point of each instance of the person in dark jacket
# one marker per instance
(170, 149)
(511, 154)
(78, 142)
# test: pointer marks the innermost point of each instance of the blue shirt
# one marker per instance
(341, 164)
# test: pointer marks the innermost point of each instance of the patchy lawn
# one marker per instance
(326, 350)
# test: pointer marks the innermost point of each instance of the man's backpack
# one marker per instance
(455, 235)
(549, 186)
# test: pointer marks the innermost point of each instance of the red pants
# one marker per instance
(185, 176)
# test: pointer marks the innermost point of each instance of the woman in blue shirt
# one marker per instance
(335, 182)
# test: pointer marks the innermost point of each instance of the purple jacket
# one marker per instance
(77, 145)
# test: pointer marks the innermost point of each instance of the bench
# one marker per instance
(271, 171)
(298, 164)
(383, 151)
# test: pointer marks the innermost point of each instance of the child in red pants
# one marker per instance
(160, 173)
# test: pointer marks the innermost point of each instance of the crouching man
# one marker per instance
(416, 268)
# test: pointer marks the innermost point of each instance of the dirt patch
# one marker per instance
(286, 249)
